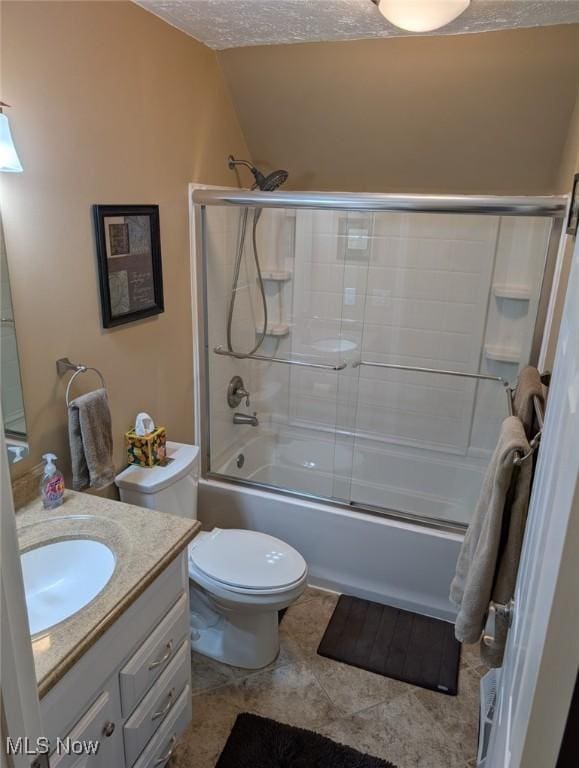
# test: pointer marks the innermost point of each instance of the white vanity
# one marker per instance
(118, 671)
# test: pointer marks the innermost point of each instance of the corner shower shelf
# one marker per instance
(515, 292)
(275, 329)
(502, 354)
(276, 276)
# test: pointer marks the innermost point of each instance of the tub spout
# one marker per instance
(245, 418)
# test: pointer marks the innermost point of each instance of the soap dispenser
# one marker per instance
(52, 484)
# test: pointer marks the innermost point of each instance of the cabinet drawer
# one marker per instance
(161, 746)
(157, 704)
(154, 655)
(96, 736)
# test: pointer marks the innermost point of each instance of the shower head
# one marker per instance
(273, 181)
(268, 183)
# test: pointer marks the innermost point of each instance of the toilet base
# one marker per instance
(247, 640)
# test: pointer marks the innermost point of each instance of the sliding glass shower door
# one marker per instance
(380, 381)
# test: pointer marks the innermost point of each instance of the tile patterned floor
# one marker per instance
(410, 726)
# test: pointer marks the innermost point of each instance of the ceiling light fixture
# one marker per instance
(9, 161)
(421, 15)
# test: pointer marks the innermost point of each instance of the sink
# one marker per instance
(62, 577)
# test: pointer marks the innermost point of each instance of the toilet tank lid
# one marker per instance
(182, 460)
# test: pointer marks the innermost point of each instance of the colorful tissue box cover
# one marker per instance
(146, 450)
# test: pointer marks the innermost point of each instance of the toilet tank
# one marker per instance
(171, 487)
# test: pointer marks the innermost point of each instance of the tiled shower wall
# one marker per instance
(411, 289)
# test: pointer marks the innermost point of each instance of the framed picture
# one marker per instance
(129, 259)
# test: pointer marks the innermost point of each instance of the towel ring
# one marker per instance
(82, 369)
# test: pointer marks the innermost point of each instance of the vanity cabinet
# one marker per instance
(131, 691)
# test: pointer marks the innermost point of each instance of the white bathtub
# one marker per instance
(371, 556)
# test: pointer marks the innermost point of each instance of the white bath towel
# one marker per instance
(91, 441)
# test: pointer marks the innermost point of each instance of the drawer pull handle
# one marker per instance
(163, 658)
(166, 708)
(162, 760)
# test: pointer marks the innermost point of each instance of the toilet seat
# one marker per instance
(246, 562)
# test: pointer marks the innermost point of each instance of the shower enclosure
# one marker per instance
(396, 325)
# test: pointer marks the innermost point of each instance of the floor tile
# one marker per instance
(290, 694)
(410, 726)
(470, 654)
(204, 739)
(207, 673)
(401, 731)
(311, 592)
(456, 715)
(306, 622)
(351, 689)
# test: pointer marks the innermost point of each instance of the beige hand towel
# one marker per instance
(528, 386)
(91, 441)
(486, 570)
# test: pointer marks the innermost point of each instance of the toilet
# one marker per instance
(238, 579)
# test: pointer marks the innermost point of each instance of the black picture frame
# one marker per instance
(129, 262)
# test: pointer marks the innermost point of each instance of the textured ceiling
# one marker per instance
(237, 23)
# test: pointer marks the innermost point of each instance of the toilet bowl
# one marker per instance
(239, 579)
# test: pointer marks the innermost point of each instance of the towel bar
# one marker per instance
(240, 356)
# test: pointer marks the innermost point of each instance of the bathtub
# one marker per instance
(392, 561)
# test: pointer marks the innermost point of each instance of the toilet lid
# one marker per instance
(248, 559)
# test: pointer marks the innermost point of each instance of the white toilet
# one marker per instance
(239, 579)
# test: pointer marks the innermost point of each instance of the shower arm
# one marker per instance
(232, 162)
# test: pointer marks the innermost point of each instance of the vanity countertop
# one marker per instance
(143, 541)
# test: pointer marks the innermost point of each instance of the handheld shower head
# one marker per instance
(265, 183)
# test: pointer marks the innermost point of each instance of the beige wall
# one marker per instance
(568, 168)
(111, 105)
(473, 113)
(570, 157)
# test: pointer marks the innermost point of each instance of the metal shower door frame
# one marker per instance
(201, 197)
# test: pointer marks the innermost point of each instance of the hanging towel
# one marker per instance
(489, 558)
(528, 386)
(91, 441)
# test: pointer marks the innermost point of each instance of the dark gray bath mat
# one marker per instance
(394, 643)
(257, 742)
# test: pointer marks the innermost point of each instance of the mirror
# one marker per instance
(12, 400)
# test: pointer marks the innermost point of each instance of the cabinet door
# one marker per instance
(95, 741)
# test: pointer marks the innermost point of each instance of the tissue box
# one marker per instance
(146, 450)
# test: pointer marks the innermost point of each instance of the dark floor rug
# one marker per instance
(257, 742)
(394, 643)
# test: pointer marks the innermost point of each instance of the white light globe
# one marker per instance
(422, 15)
(8, 158)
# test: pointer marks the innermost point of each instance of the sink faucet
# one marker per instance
(245, 418)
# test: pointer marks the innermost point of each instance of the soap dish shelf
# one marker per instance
(514, 292)
(276, 276)
(275, 329)
(502, 354)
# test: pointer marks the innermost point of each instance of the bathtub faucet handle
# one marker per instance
(236, 392)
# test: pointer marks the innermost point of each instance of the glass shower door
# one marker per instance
(380, 380)
(293, 378)
(449, 297)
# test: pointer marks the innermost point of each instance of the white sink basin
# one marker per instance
(63, 577)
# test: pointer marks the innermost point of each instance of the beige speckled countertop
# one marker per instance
(144, 542)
